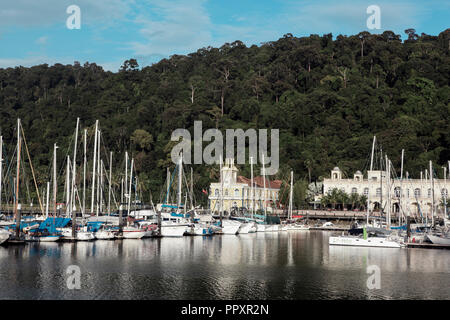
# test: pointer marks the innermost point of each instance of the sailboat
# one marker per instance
(364, 240)
(175, 224)
(4, 236)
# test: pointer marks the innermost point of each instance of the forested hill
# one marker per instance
(328, 98)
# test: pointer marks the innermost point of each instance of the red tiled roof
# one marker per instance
(259, 182)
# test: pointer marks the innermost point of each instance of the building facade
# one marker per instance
(413, 196)
(237, 191)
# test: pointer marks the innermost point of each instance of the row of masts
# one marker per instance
(71, 189)
(388, 167)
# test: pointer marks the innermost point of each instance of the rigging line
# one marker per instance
(32, 170)
(168, 189)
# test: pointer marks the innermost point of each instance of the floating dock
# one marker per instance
(329, 228)
(425, 245)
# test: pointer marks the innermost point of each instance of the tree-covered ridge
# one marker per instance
(328, 98)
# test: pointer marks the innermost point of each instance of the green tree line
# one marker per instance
(327, 96)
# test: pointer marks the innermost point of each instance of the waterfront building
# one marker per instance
(237, 191)
(406, 195)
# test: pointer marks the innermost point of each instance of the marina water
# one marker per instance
(281, 265)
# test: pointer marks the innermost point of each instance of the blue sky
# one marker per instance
(34, 31)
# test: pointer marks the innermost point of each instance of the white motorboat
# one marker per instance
(435, 239)
(382, 242)
(4, 236)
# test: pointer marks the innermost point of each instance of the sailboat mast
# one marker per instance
(126, 173)
(129, 192)
(432, 193)
(46, 199)
(180, 175)
(98, 172)
(388, 194)
(83, 212)
(252, 189)
(221, 192)
(93, 167)
(101, 185)
(445, 192)
(290, 196)
(54, 178)
(400, 215)
(373, 150)
(192, 188)
(16, 209)
(110, 183)
(264, 185)
(68, 187)
(72, 198)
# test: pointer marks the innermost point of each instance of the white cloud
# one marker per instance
(42, 40)
(173, 27)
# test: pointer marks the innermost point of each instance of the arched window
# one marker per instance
(236, 192)
(354, 190)
(397, 192)
(417, 192)
(429, 193)
(216, 192)
(366, 191)
(226, 192)
(378, 192)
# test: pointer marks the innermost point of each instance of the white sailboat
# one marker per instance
(104, 233)
(175, 224)
(230, 226)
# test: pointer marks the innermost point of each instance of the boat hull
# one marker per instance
(173, 231)
(438, 240)
(4, 236)
(104, 235)
(85, 236)
(260, 227)
(360, 242)
(245, 228)
(272, 228)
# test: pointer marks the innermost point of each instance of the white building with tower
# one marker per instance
(406, 195)
(238, 193)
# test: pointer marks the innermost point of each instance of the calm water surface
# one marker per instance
(285, 265)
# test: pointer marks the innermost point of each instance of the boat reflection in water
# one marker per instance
(262, 265)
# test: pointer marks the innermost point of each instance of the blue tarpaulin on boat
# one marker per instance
(403, 227)
(180, 215)
(94, 226)
(52, 223)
